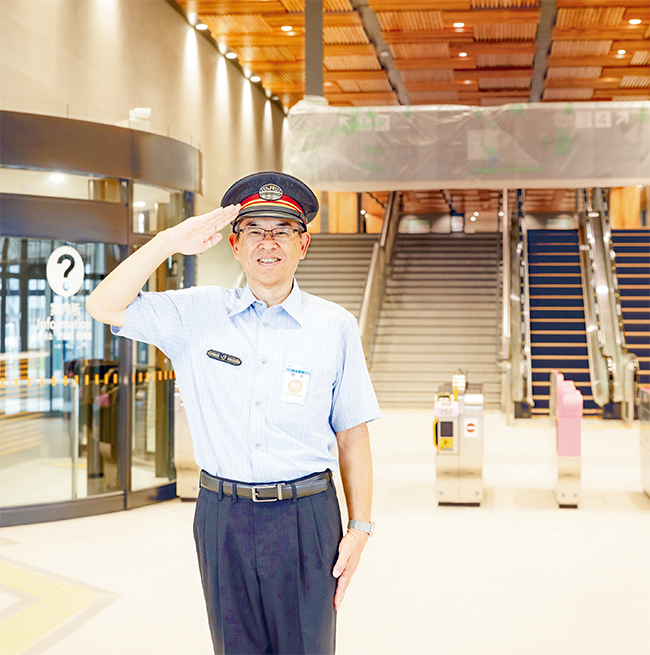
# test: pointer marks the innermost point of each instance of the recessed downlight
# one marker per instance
(286, 28)
(255, 78)
(459, 24)
(635, 21)
(139, 203)
(231, 55)
(202, 27)
(462, 54)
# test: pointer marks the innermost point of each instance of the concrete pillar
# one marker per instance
(314, 47)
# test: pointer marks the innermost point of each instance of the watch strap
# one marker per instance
(361, 525)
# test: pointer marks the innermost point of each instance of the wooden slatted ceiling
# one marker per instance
(596, 52)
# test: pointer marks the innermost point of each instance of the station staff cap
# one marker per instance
(272, 195)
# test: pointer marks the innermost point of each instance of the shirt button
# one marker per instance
(258, 445)
(263, 362)
(257, 403)
(266, 324)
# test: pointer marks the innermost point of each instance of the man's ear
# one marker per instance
(234, 244)
(305, 238)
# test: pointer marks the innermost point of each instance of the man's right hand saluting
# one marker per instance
(195, 235)
(108, 302)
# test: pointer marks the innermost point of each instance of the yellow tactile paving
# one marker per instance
(55, 603)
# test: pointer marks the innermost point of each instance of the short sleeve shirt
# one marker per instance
(243, 427)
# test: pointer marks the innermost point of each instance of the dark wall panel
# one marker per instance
(164, 162)
(33, 141)
(81, 221)
(47, 142)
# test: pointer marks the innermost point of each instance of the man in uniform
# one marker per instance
(272, 379)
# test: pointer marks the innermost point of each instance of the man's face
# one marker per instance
(269, 261)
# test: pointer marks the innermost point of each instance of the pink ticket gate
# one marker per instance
(566, 408)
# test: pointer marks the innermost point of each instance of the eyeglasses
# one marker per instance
(259, 234)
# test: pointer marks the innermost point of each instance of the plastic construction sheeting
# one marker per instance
(541, 145)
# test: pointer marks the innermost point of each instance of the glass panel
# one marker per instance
(153, 398)
(48, 344)
(61, 185)
(155, 209)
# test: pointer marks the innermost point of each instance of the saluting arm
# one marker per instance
(108, 302)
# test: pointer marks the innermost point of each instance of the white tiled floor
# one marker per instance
(516, 576)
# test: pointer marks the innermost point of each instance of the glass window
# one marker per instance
(152, 459)
(58, 374)
(155, 208)
(62, 185)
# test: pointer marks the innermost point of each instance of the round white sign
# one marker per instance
(65, 271)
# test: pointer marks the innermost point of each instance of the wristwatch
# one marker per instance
(361, 525)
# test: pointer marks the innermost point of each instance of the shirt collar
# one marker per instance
(292, 304)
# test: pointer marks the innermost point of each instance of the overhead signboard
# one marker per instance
(536, 145)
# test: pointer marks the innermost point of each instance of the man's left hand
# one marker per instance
(350, 550)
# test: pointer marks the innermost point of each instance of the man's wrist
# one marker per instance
(362, 526)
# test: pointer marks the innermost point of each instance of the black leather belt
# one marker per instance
(266, 493)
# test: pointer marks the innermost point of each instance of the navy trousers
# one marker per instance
(266, 570)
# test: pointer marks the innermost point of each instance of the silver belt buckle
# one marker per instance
(255, 498)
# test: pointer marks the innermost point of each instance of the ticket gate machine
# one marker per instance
(458, 437)
(644, 421)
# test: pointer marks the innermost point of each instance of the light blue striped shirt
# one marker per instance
(241, 427)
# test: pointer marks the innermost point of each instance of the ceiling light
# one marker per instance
(635, 21)
(462, 54)
(256, 78)
(500, 213)
(274, 98)
(620, 52)
(459, 24)
(57, 178)
(475, 213)
(231, 55)
(139, 203)
(291, 33)
(467, 81)
(202, 27)
(286, 28)
(384, 53)
(472, 218)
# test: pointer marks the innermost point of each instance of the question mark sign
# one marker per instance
(70, 260)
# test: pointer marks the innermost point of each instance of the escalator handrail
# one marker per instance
(521, 386)
(598, 361)
(623, 363)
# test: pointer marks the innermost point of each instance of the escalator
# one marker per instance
(632, 249)
(557, 320)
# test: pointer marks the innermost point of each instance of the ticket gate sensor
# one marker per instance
(566, 406)
(458, 437)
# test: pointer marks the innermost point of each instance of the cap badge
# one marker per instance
(271, 192)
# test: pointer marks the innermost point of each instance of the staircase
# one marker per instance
(336, 267)
(557, 320)
(439, 315)
(632, 249)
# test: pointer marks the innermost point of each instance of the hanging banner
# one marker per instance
(538, 145)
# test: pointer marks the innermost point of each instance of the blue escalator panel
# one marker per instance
(632, 249)
(557, 321)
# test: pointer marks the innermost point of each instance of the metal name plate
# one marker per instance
(224, 357)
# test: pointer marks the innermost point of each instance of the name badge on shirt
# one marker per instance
(296, 381)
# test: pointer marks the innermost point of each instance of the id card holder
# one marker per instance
(294, 387)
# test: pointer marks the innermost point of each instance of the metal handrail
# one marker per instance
(506, 370)
(598, 365)
(521, 378)
(616, 383)
(378, 271)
